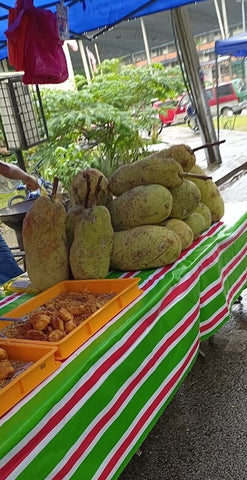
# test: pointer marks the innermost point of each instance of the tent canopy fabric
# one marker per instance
(90, 15)
(235, 46)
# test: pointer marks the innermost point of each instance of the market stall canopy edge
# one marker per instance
(235, 46)
(89, 15)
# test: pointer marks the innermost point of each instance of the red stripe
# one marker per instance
(78, 395)
(8, 299)
(146, 416)
(124, 396)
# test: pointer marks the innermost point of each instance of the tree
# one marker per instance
(100, 124)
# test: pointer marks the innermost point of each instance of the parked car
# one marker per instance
(231, 96)
(226, 95)
(171, 111)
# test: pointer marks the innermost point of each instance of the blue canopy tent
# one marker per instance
(235, 46)
(90, 15)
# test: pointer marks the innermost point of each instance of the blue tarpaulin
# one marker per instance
(89, 15)
(235, 46)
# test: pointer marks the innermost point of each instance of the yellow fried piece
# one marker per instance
(6, 369)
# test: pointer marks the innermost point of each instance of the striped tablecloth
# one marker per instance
(87, 420)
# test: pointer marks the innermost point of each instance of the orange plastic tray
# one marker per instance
(44, 364)
(126, 290)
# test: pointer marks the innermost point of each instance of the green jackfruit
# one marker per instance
(45, 243)
(79, 191)
(92, 245)
(143, 205)
(72, 217)
(205, 212)
(210, 194)
(182, 154)
(182, 230)
(146, 246)
(197, 224)
(185, 199)
(150, 170)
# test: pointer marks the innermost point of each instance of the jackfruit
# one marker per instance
(143, 205)
(72, 217)
(90, 251)
(45, 243)
(146, 246)
(182, 154)
(185, 199)
(150, 170)
(79, 188)
(182, 229)
(205, 212)
(197, 224)
(210, 195)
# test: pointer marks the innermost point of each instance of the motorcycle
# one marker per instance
(191, 118)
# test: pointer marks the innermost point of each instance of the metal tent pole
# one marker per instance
(144, 34)
(191, 63)
(84, 61)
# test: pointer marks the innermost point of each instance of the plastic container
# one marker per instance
(126, 290)
(44, 364)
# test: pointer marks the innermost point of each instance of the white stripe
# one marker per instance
(121, 390)
(86, 376)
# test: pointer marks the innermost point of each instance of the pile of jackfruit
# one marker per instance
(141, 217)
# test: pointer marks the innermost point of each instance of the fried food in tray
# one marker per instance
(9, 369)
(53, 320)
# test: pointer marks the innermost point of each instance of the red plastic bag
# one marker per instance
(34, 44)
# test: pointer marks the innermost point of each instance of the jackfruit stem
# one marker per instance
(97, 190)
(195, 175)
(54, 189)
(206, 145)
(87, 177)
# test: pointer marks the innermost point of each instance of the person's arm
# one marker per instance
(15, 173)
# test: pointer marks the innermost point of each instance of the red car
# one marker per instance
(172, 112)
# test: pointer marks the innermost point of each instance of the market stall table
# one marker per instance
(89, 417)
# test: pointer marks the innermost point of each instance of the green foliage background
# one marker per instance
(100, 123)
